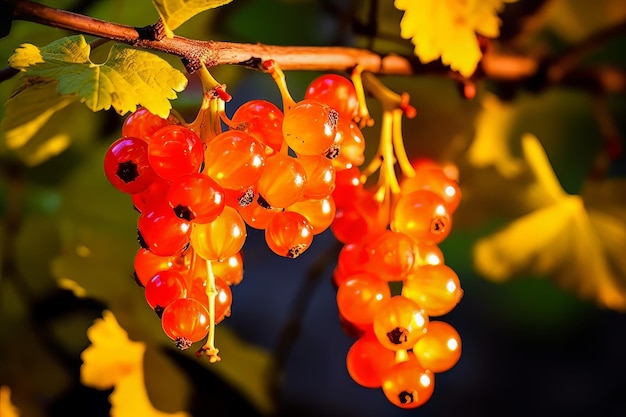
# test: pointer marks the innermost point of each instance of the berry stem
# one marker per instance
(207, 123)
(209, 348)
(388, 172)
(372, 166)
(363, 119)
(387, 97)
(281, 82)
(398, 144)
(208, 82)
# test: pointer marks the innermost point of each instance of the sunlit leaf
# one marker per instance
(447, 29)
(579, 248)
(114, 361)
(7, 409)
(29, 108)
(491, 145)
(176, 12)
(128, 78)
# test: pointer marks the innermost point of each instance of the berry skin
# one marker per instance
(351, 143)
(165, 287)
(142, 124)
(288, 234)
(146, 264)
(320, 176)
(185, 321)
(174, 151)
(221, 238)
(234, 159)
(309, 127)
(282, 182)
(320, 213)
(196, 197)
(391, 255)
(263, 120)
(127, 167)
(337, 91)
(440, 348)
(367, 360)
(229, 269)
(436, 288)
(360, 297)
(399, 323)
(161, 231)
(223, 298)
(435, 180)
(407, 384)
(422, 214)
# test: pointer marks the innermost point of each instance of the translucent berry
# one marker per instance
(367, 360)
(309, 127)
(223, 297)
(282, 182)
(360, 297)
(337, 91)
(165, 287)
(440, 348)
(263, 120)
(288, 234)
(407, 384)
(142, 124)
(229, 269)
(221, 238)
(423, 215)
(320, 176)
(435, 180)
(161, 231)
(234, 159)
(436, 288)
(196, 197)
(319, 212)
(391, 255)
(174, 151)
(399, 323)
(185, 321)
(126, 165)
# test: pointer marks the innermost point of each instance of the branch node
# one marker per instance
(252, 63)
(154, 32)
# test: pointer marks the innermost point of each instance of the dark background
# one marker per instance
(530, 348)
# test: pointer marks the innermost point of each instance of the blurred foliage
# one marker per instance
(543, 201)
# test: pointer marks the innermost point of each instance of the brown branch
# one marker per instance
(212, 53)
(509, 68)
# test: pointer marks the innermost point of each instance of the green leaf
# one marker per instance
(29, 108)
(127, 78)
(176, 12)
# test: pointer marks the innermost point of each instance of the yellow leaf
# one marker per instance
(29, 108)
(490, 145)
(176, 12)
(113, 360)
(111, 356)
(447, 29)
(7, 409)
(127, 78)
(580, 249)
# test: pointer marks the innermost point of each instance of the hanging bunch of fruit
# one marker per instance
(295, 172)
